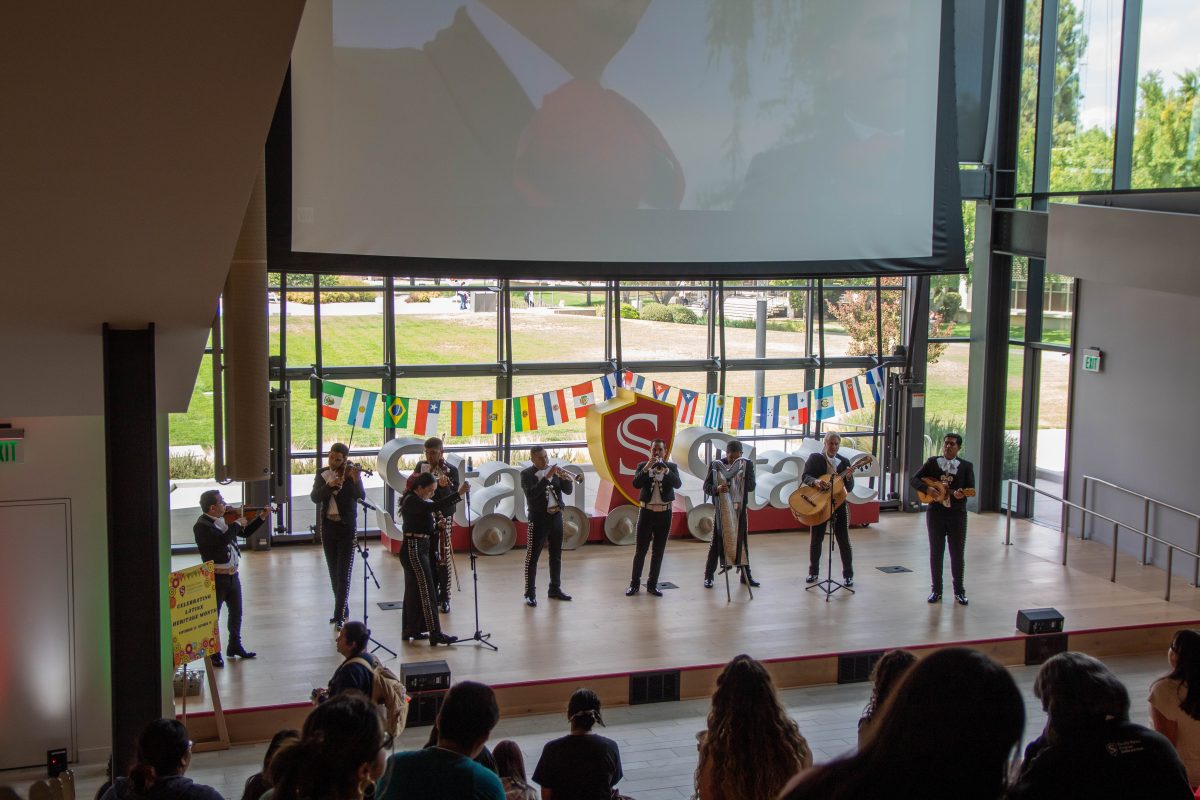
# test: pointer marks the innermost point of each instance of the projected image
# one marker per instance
(616, 130)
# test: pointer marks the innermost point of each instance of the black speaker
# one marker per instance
(425, 676)
(56, 763)
(423, 708)
(653, 687)
(1040, 648)
(1039, 620)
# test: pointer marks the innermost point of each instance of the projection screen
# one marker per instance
(618, 138)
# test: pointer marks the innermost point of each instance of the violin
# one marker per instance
(357, 467)
(233, 515)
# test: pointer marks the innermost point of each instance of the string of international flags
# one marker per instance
(545, 409)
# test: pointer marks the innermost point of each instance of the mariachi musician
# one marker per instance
(818, 465)
(656, 479)
(441, 554)
(730, 479)
(336, 491)
(544, 485)
(946, 520)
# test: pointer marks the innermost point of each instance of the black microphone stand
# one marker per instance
(478, 636)
(368, 574)
(829, 585)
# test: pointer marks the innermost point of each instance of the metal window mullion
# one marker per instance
(1127, 92)
(1044, 124)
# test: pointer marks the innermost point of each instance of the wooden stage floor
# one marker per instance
(602, 632)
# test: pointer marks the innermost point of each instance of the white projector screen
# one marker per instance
(622, 132)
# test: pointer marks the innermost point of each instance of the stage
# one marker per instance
(601, 637)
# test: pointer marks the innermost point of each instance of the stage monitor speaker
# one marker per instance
(425, 676)
(423, 708)
(1040, 648)
(653, 687)
(1039, 620)
(857, 668)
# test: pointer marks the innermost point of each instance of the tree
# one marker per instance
(1166, 139)
(855, 311)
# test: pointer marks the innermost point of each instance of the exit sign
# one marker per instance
(12, 451)
(1092, 360)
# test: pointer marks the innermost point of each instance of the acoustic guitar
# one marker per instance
(811, 506)
(939, 491)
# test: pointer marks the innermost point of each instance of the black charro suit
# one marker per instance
(816, 467)
(220, 547)
(946, 525)
(653, 525)
(545, 525)
(439, 542)
(337, 536)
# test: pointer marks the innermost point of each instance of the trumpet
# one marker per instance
(562, 473)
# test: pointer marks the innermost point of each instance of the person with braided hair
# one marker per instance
(341, 752)
(582, 765)
(751, 747)
(163, 755)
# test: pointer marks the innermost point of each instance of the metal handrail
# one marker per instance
(1117, 525)
(1147, 520)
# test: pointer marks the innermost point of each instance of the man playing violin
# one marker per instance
(217, 540)
(446, 475)
(947, 522)
(818, 465)
(336, 491)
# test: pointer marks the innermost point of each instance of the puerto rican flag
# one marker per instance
(852, 396)
(660, 390)
(685, 407)
(876, 381)
(583, 395)
(555, 407)
(609, 384)
(427, 417)
(797, 409)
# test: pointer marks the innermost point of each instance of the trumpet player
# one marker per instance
(656, 479)
(544, 485)
(446, 476)
(336, 490)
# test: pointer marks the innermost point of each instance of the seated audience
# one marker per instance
(751, 748)
(484, 759)
(351, 644)
(340, 755)
(258, 783)
(163, 755)
(510, 763)
(948, 731)
(582, 765)
(1175, 701)
(1089, 747)
(886, 673)
(447, 771)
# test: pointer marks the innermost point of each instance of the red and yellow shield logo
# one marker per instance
(619, 433)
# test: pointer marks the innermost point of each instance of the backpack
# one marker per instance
(388, 691)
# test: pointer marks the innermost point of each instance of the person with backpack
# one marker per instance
(363, 672)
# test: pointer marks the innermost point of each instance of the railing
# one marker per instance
(1117, 526)
(1147, 519)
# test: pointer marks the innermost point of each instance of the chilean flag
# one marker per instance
(852, 397)
(427, 417)
(685, 407)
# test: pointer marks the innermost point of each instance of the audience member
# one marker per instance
(510, 763)
(484, 759)
(1175, 701)
(163, 755)
(948, 731)
(258, 783)
(886, 673)
(447, 771)
(751, 747)
(1089, 747)
(582, 765)
(357, 671)
(340, 753)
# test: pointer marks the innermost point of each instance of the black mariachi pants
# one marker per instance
(841, 531)
(716, 547)
(946, 526)
(543, 528)
(229, 592)
(419, 614)
(439, 555)
(656, 526)
(338, 540)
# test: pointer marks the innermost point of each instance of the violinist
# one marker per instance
(217, 540)
(336, 490)
(947, 523)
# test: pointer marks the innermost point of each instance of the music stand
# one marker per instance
(478, 636)
(829, 585)
(368, 574)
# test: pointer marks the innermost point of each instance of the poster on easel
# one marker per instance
(192, 600)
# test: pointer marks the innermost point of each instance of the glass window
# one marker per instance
(298, 326)
(561, 325)
(1012, 419)
(351, 312)
(671, 322)
(1051, 454)
(432, 327)
(190, 455)
(1058, 304)
(1166, 139)
(1029, 85)
(946, 393)
(1018, 300)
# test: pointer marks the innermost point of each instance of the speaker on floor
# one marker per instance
(1039, 648)
(1039, 620)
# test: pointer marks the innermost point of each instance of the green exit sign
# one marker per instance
(12, 451)
(1091, 360)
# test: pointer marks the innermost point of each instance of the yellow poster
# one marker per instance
(192, 598)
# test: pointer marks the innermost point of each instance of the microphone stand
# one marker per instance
(478, 636)
(368, 574)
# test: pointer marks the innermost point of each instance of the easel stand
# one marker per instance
(222, 740)
(479, 636)
(368, 574)
(829, 585)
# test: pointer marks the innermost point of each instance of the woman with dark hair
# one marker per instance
(341, 752)
(163, 755)
(948, 731)
(1089, 747)
(1175, 701)
(358, 669)
(417, 507)
(751, 747)
(258, 783)
(510, 764)
(886, 673)
(582, 765)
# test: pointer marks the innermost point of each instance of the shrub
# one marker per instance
(936, 429)
(189, 466)
(629, 312)
(683, 315)
(419, 297)
(655, 312)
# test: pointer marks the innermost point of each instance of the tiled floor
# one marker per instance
(658, 742)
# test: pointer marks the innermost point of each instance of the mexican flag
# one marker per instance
(331, 399)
